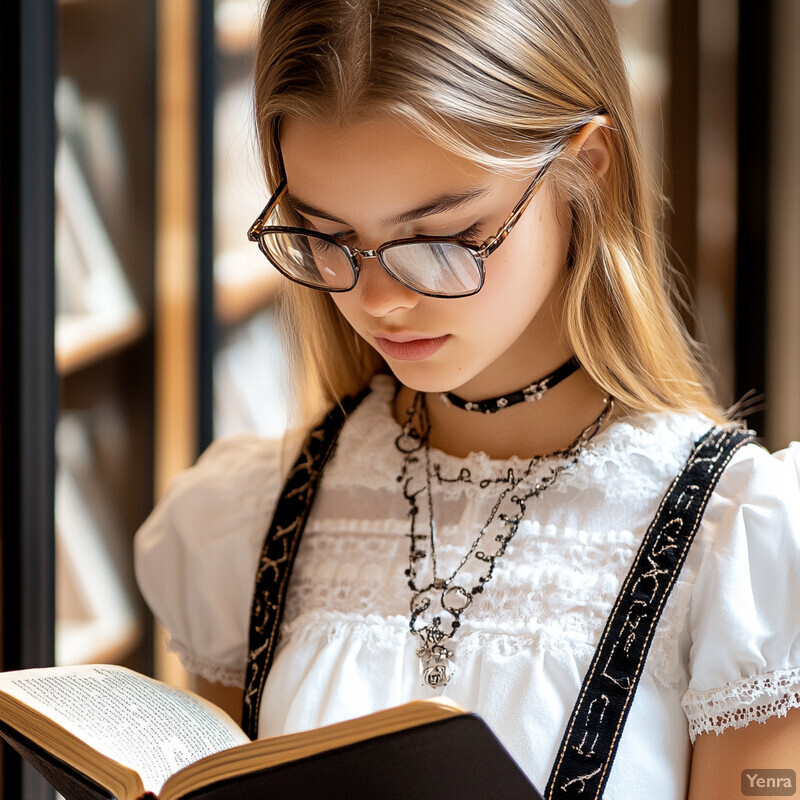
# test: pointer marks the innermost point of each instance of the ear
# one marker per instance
(591, 144)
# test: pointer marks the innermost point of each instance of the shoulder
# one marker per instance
(756, 478)
(751, 528)
(744, 624)
(752, 522)
(235, 481)
(658, 444)
(753, 516)
(632, 463)
(196, 553)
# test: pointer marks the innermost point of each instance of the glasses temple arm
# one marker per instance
(489, 246)
(255, 229)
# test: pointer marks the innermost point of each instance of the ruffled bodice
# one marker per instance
(726, 651)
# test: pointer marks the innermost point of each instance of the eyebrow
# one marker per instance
(438, 205)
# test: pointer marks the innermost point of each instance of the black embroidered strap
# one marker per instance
(592, 735)
(278, 553)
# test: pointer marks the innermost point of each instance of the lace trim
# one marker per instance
(203, 668)
(346, 533)
(564, 581)
(755, 699)
(636, 455)
(568, 641)
(560, 598)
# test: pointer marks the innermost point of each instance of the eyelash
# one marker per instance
(468, 235)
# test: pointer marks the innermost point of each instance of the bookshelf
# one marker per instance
(246, 385)
(77, 336)
(104, 240)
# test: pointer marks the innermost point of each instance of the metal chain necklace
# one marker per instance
(445, 595)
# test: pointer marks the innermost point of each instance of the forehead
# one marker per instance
(376, 164)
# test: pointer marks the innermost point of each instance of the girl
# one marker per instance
(460, 203)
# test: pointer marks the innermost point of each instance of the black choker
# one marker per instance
(527, 395)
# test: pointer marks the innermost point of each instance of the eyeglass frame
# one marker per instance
(354, 255)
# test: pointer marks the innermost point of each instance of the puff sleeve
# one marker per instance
(195, 556)
(744, 620)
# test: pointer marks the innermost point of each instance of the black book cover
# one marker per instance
(457, 757)
(62, 777)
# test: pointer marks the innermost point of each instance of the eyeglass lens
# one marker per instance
(309, 260)
(445, 269)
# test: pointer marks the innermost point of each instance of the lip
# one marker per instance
(409, 346)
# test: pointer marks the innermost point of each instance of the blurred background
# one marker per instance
(137, 322)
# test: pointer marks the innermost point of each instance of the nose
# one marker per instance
(379, 292)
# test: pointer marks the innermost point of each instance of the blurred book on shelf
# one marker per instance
(249, 368)
(250, 392)
(236, 23)
(96, 311)
(95, 615)
(244, 280)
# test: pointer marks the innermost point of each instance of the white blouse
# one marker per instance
(726, 651)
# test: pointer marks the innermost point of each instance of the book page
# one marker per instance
(153, 728)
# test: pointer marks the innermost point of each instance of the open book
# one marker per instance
(107, 732)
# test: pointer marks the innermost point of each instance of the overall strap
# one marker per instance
(278, 553)
(593, 732)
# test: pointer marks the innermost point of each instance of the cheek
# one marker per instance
(533, 255)
(519, 277)
(347, 305)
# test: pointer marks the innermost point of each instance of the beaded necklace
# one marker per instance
(446, 595)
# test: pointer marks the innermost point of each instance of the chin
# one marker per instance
(427, 378)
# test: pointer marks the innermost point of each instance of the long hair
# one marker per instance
(503, 83)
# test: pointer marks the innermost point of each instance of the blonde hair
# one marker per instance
(504, 83)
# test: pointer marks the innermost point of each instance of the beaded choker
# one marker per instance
(529, 394)
(437, 598)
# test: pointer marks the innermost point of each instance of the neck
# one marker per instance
(531, 393)
(524, 430)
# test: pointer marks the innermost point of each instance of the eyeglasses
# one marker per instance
(429, 265)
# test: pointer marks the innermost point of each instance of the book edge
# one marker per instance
(265, 753)
(47, 734)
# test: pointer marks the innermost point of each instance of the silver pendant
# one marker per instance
(437, 675)
(436, 660)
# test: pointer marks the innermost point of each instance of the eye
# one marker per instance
(322, 245)
(342, 237)
(468, 236)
